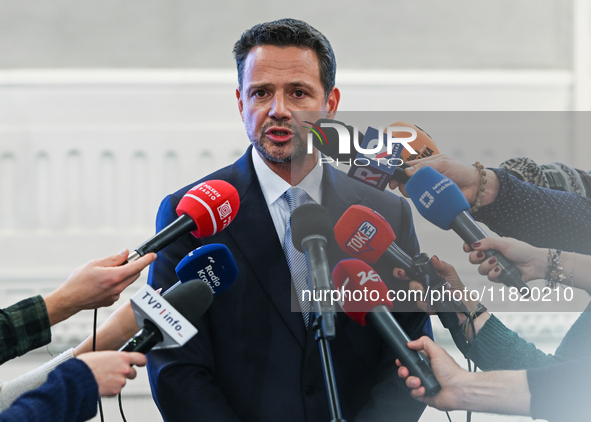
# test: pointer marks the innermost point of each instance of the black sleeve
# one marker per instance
(541, 217)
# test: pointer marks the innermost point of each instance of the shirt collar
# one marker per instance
(274, 186)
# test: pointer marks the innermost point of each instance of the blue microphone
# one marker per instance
(441, 201)
(213, 264)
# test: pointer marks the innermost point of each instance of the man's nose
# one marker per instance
(280, 108)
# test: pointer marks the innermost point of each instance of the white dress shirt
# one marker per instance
(274, 186)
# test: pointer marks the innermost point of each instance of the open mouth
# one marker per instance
(278, 134)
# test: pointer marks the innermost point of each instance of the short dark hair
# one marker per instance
(289, 33)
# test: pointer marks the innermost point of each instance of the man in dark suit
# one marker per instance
(253, 358)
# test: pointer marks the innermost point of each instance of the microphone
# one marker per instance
(441, 201)
(213, 264)
(312, 233)
(206, 209)
(171, 316)
(364, 234)
(354, 279)
(379, 168)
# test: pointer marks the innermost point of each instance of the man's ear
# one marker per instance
(332, 103)
(240, 104)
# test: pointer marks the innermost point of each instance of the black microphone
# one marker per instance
(441, 201)
(312, 232)
(353, 276)
(191, 299)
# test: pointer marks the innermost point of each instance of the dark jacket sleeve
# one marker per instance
(496, 347)
(541, 217)
(24, 326)
(561, 392)
(182, 378)
(69, 395)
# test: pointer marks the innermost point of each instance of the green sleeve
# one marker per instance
(24, 326)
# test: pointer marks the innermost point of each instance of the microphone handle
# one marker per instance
(399, 175)
(315, 247)
(143, 341)
(417, 363)
(470, 232)
(179, 227)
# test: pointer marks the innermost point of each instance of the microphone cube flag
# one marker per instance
(437, 198)
(212, 205)
(360, 289)
(363, 233)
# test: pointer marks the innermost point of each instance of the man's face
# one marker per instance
(277, 81)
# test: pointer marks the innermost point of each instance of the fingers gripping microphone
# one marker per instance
(213, 264)
(312, 233)
(441, 201)
(365, 234)
(354, 278)
(177, 314)
(206, 209)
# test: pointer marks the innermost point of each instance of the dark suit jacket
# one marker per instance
(253, 359)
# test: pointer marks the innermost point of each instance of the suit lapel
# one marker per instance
(255, 235)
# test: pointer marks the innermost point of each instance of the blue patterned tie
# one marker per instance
(295, 259)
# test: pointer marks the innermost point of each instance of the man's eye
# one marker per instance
(260, 93)
(299, 93)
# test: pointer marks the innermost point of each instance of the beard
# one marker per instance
(282, 153)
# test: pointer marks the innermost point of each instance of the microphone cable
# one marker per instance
(94, 324)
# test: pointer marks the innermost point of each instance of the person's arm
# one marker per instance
(493, 345)
(113, 333)
(24, 326)
(511, 207)
(505, 392)
(13, 389)
(72, 389)
(94, 285)
(532, 262)
(182, 379)
(70, 394)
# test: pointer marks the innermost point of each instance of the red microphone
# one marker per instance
(363, 233)
(205, 210)
(364, 297)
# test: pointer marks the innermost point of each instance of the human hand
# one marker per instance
(466, 176)
(93, 285)
(449, 374)
(111, 369)
(531, 261)
(446, 271)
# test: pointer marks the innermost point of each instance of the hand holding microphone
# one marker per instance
(205, 210)
(466, 176)
(364, 298)
(440, 201)
(531, 261)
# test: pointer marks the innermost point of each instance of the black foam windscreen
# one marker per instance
(191, 299)
(310, 219)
